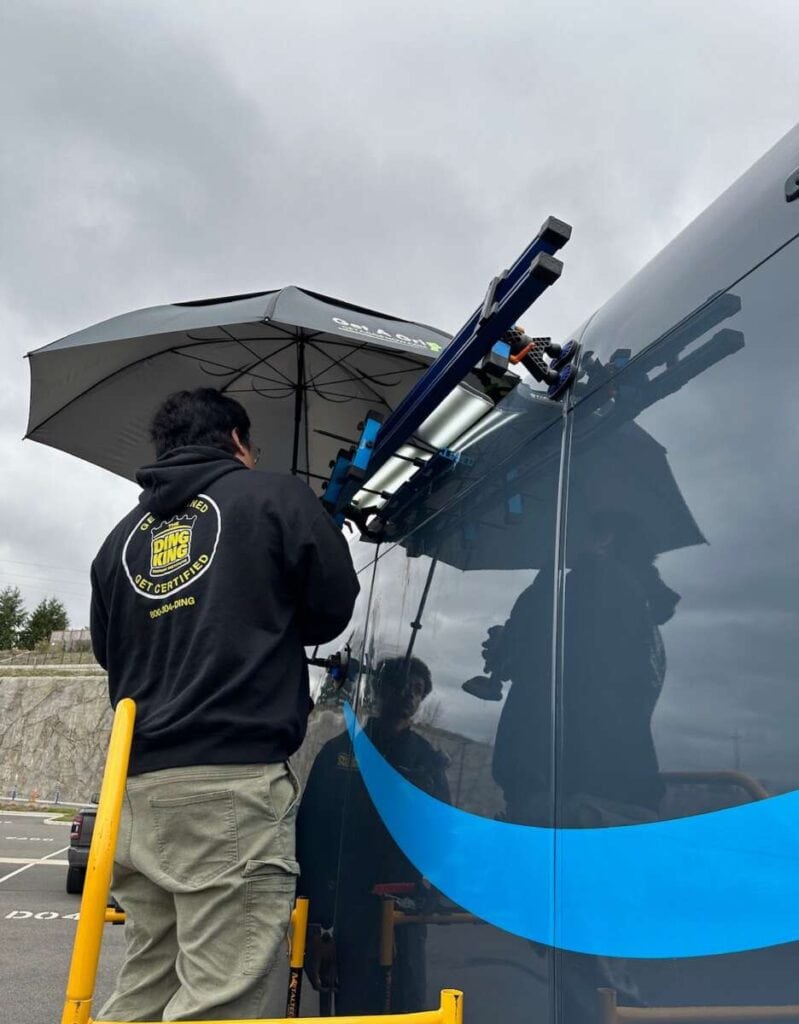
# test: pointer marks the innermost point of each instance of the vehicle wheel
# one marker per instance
(75, 879)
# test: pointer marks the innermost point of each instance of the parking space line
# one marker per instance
(32, 864)
(29, 860)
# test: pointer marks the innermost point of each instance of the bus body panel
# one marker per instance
(617, 585)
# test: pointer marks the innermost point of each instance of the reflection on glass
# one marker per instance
(435, 598)
(349, 862)
(657, 571)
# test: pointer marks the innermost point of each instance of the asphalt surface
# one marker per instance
(494, 969)
(38, 920)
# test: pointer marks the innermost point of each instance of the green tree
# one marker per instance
(48, 615)
(12, 617)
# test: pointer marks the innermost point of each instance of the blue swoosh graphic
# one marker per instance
(713, 883)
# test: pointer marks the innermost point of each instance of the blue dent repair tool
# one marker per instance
(489, 340)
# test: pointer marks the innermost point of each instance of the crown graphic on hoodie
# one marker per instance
(170, 544)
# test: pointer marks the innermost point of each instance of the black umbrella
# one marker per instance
(304, 366)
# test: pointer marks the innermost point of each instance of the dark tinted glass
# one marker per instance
(678, 687)
(455, 699)
(562, 767)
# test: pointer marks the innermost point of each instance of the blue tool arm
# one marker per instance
(349, 468)
(508, 296)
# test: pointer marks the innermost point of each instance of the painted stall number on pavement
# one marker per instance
(42, 915)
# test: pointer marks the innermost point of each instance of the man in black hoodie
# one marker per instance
(203, 598)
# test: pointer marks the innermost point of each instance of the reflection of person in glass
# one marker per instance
(613, 670)
(345, 851)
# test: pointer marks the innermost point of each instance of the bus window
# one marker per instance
(460, 619)
(677, 690)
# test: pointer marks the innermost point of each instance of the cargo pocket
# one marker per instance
(268, 902)
(196, 836)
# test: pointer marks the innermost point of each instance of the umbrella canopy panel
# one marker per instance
(299, 362)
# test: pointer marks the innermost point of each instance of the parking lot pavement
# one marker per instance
(37, 921)
(37, 927)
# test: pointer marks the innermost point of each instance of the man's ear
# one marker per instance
(240, 449)
(243, 453)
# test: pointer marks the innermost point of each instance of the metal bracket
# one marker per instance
(349, 468)
(336, 665)
(792, 187)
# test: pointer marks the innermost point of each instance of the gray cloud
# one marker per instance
(393, 155)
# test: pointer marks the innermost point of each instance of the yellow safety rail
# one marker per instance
(297, 938)
(450, 1011)
(611, 1013)
(94, 911)
(86, 950)
(390, 919)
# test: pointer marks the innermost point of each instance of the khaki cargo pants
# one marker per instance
(205, 870)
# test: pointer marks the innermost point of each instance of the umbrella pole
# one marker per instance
(299, 392)
(416, 625)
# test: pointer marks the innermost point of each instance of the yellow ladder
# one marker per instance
(94, 911)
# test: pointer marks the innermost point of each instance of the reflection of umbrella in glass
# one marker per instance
(299, 362)
(618, 473)
(508, 521)
(626, 476)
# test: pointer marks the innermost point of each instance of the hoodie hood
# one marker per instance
(180, 475)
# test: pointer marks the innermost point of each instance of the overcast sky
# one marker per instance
(395, 155)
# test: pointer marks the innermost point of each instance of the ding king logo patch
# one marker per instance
(164, 555)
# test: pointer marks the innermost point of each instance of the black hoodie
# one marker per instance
(202, 600)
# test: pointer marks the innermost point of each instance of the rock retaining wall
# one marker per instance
(54, 735)
(55, 731)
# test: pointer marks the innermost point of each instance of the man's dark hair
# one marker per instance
(394, 673)
(204, 416)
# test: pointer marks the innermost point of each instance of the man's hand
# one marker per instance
(320, 962)
(493, 653)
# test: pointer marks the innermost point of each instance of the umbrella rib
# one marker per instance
(279, 392)
(307, 442)
(279, 387)
(375, 394)
(332, 396)
(247, 348)
(340, 399)
(350, 346)
(243, 371)
(353, 349)
(334, 363)
(258, 362)
(226, 373)
(374, 378)
(227, 369)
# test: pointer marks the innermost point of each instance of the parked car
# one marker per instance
(80, 838)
